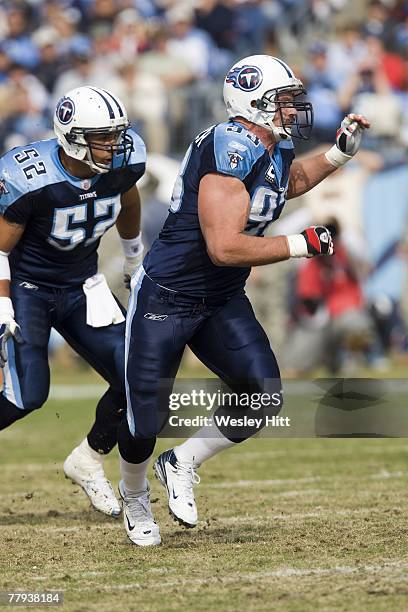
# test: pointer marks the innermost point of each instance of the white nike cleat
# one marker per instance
(138, 518)
(88, 473)
(178, 478)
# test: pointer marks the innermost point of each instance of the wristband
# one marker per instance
(132, 247)
(4, 266)
(337, 158)
(297, 245)
(6, 307)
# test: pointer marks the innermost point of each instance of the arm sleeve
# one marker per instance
(15, 202)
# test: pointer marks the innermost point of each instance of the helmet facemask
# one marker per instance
(120, 151)
(269, 106)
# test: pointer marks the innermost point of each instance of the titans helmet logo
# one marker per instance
(246, 78)
(65, 110)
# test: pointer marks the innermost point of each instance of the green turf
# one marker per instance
(285, 524)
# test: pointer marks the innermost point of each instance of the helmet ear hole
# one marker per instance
(254, 103)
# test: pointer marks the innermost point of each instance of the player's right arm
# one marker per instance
(223, 208)
(10, 234)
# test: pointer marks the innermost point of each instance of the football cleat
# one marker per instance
(88, 473)
(178, 478)
(140, 525)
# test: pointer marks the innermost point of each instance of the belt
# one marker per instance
(184, 298)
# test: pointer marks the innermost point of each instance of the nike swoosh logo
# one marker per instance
(131, 527)
(174, 496)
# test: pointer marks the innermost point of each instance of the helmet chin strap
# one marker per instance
(278, 132)
(89, 161)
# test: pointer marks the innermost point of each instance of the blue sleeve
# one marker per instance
(235, 152)
(15, 205)
(136, 166)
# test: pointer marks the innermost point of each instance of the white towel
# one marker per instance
(101, 306)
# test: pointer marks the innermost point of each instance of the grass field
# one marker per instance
(285, 524)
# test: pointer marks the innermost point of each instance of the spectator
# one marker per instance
(367, 91)
(129, 36)
(378, 22)
(346, 52)
(187, 42)
(329, 320)
(70, 40)
(85, 71)
(218, 20)
(50, 63)
(23, 105)
(176, 75)
(5, 63)
(321, 89)
(145, 98)
(18, 44)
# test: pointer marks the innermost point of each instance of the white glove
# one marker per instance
(8, 328)
(133, 257)
(348, 140)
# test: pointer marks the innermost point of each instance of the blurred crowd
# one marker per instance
(166, 60)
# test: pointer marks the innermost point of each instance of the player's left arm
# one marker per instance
(309, 172)
(128, 226)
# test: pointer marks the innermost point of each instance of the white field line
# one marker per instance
(295, 493)
(253, 577)
(228, 520)
(243, 484)
(345, 453)
(235, 484)
(76, 392)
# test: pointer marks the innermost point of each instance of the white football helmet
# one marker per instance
(89, 111)
(252, 89)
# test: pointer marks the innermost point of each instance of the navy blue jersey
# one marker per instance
(178, 258)
(64, 216)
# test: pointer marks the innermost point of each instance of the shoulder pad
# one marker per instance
(30, 167)
(138, 155)
(236, 149)
(12, 186)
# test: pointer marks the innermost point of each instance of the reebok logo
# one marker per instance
(155, 317)
(28, 285)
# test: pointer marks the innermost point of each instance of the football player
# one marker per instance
(233, 182)
(58, 197)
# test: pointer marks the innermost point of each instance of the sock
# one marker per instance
(89, 453)
(134, 476)
(204, 444)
